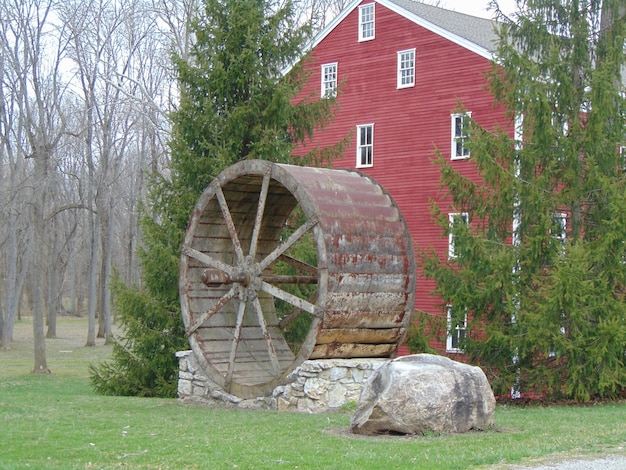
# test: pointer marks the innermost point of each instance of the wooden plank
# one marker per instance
(366, 301)
(364, 262)
(368, 282)
(247, 334)
(227, 315)
(258, 365)
(215, 307)
(359, 243)
(360, 335)
(364, 319)
(216, 357)
(203, 299)
(351, 350)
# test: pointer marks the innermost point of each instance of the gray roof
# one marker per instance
(480, 31)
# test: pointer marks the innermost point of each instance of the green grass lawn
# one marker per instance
(57, 421)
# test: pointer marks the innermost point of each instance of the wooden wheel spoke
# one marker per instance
(290, 279)
(289, 298)
(295, 313)
(235, 345)
(301, 266)
(266, 335)
(209, 260)
(230, 225)
(212, 311)
(293, 238)
(259, 215)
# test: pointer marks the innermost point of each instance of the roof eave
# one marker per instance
(455, 38)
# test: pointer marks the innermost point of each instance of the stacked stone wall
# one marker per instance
(316, 386)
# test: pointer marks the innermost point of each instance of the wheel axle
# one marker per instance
(215, 277)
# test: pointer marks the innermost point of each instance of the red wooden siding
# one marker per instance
(409, 123)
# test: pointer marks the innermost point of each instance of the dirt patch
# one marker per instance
(347, 433)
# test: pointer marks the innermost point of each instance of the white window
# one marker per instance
(460, 135)
(457, 329)
(365, 145)
(558, 229)
(455, 218)
(622, 156)
(552, 352)
(329, 80)
(406, 68)
(366, 22)
(560, 123)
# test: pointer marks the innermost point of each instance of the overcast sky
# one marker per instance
(478, 7)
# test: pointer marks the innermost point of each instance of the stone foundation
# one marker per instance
(316, 386)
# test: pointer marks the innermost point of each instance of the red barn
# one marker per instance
(407, 74)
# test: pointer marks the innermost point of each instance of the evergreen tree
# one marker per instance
(235, 104)
(540, 270)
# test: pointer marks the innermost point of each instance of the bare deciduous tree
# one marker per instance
(35, 56)
(86, 87)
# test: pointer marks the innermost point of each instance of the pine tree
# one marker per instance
(235, 104)
(540, 269)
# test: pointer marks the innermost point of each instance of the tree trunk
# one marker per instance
(93, 280)
(1, 321)
(11, 281)
(13, 297)
(73, 294)
(38, 223)
(108, 255)
(52, 286)
(102, 285)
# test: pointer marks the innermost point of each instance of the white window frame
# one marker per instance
(460, 332)
(552, 352)
(364, 147)
(557, 120)
(459, 139)
(406, 68)
(367, 25)
(561, 219)
(329, 80)
(452, 218)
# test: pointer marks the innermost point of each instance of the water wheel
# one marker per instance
(269, 243)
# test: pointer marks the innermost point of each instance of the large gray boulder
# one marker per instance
(421, 393)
